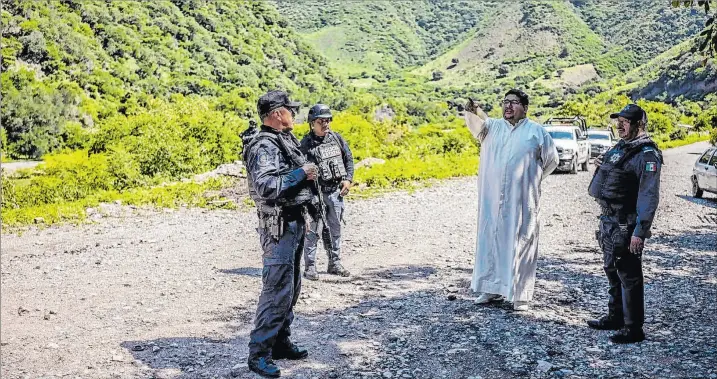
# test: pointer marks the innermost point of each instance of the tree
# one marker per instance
(708, 45)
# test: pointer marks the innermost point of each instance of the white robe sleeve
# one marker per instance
(479, 127)
(548, 155)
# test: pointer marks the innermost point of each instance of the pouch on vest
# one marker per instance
(331, 163)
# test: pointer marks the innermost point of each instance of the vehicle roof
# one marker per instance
(562, 127)
(599, 131)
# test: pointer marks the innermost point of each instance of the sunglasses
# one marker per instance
(293, 111)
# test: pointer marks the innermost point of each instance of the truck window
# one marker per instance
(560, 135)
(706, 156)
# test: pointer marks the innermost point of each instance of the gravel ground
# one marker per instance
(172, 294)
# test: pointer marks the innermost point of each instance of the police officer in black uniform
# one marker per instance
(330, 152)
(279, 179)
(626, 184)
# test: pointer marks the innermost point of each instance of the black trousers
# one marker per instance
(281, 285)
(624, 272)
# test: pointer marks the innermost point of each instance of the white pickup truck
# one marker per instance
(573, 147)
(601, 141)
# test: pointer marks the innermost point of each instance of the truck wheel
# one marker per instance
(584, 166)
(696, 190)
(574, 167)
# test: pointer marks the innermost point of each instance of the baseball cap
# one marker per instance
(275, 100)
(631, 112)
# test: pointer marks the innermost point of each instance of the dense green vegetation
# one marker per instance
(124, 158)
(74, 63)
(126, 100)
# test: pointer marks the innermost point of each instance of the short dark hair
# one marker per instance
(522, 96)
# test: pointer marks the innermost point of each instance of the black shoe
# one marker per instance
(310, 273)
(628, 335)
(607, 323)
(288, 350)
(338, 269)
(264, 366)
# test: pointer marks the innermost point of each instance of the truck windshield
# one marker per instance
(598, 136)
(560, 135)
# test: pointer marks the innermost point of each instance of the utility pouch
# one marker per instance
(270, 217)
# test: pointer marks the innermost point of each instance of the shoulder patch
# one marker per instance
(651, 166)
(263, 157)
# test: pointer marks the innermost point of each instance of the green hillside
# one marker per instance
(373, 39)
(75, 62)
(644, 28)
(679, 72)
(365, 39)
(521, 42)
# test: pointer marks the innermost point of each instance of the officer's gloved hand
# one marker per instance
(311, 171)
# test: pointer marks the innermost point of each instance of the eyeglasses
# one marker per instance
(323, 120)
(511, 102)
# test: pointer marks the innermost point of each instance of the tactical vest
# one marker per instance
(330, 160)
(612, 183)
(302, 194)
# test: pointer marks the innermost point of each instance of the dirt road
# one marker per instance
(172, 294)
(10, 167)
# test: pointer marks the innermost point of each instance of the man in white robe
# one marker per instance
(516, 155)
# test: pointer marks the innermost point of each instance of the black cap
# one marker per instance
(275, 100)
(320, 111)
(631, 112)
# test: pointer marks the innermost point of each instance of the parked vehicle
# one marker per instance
(704, 174)
(601, 140)
(576, 121)
(573, 147)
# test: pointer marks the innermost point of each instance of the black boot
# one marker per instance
(288, 350)
(608, 322)
(310, 273)
(338, 269)
(628, 335)
(264, 366)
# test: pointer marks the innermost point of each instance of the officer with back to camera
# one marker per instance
(626, 184)
(279, 179)
(330, 152)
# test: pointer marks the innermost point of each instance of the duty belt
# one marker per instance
(287, 213)
(624, 217)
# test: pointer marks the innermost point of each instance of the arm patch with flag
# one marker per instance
(651, 167)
